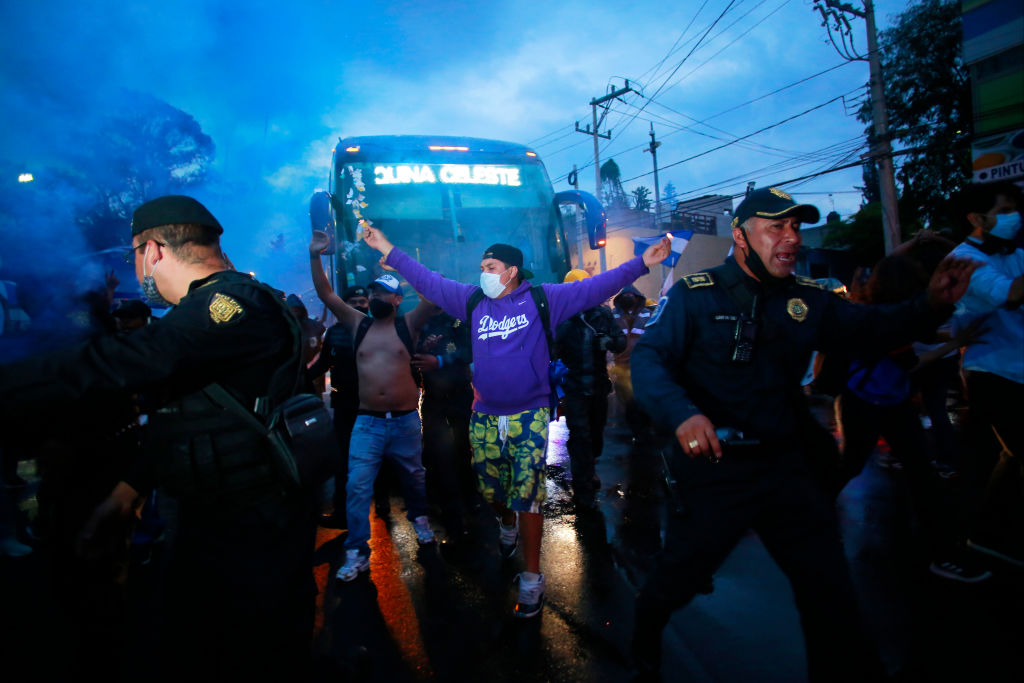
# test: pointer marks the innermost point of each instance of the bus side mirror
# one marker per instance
(593, 214)
(321, 217)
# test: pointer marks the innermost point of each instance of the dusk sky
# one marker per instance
(275, 85)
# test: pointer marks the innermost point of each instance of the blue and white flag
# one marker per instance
(679, 241)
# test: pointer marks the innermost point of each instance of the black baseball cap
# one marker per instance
(771, 202)
(172, 209)
(506, 253)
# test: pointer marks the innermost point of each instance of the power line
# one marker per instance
(678, 66)
(734, 40)
(756, 132)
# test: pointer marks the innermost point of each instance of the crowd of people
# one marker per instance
(453, 400)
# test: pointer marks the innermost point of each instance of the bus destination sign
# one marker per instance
(450, 174)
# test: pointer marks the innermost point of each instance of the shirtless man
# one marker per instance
(388, 423)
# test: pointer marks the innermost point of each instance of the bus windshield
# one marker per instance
(446, 214)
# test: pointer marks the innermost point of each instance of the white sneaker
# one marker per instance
(508, 538)
(424, 534)
(355, 563)
(531, 596)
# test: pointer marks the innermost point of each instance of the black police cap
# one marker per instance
(771, 202)
(172, 209)
(354, 291)
(506, 253)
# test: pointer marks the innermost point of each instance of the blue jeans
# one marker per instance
(372, 439)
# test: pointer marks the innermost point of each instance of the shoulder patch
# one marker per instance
(699, 280)
(224, 309)
(808, 282)
(658, 310)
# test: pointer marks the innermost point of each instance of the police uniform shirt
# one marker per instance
(226, 329)
(683, 364)
(454, 352)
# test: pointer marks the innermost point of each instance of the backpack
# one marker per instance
(299, 428)
(557, 370)
(402, 329)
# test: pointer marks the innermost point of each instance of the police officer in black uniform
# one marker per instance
(237, 585)
(727, 349)
(443, 355)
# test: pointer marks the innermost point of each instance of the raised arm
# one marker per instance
(449, 295)
(345, 314)
(570, 298)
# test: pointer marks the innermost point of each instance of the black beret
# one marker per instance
(172, 209)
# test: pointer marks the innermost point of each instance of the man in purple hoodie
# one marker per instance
(508, 430)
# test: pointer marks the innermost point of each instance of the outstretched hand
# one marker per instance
(376, 240)
(949, 281)
(656, 253)
(319, 243)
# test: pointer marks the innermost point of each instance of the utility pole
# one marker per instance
(581, 230)
(594, 103)
(834, 19)
(653, 149)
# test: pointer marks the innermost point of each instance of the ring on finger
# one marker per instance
(693, 444)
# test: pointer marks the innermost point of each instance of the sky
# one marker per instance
(275, 85)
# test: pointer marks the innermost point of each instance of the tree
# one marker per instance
(668, 195)
(641, 198)
(929, 105)
(862, 234)
(144, 149)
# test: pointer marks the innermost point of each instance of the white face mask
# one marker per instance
(491, 284)
(1007, 225)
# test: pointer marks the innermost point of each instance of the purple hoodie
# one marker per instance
(510, 353)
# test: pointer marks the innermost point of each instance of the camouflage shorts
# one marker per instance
(508, 457)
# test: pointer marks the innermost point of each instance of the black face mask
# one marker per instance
(362, 309)
(381, 309)
(757, 267)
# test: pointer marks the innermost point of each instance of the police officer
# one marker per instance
(237, 586)
(727, 349)
(444, 356)
(582, 343)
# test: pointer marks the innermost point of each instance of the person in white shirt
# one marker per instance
(994, 362)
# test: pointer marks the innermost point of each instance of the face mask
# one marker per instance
(362, 309)
(757, 267)
(491, 284)
(1007, 225)
(149, 289)
(381, 309)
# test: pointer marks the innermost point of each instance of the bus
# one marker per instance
(444, 200)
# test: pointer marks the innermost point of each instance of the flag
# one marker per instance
(679, 241)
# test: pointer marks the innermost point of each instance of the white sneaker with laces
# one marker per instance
(355, 563)
(424, 534)
(531, 596)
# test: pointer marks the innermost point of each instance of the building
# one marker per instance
(707, 215)
(993, 51)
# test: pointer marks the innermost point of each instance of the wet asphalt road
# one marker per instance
(428, 613)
